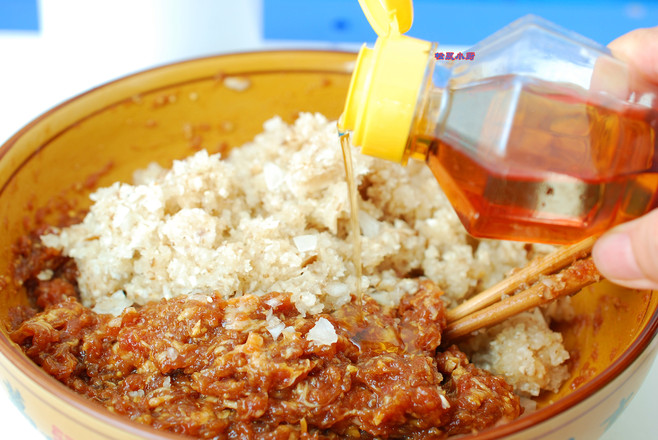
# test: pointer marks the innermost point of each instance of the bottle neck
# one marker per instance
(428, 118)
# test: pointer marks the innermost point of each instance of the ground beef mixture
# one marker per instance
(253, 367)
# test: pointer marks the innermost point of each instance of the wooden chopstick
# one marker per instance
(540, 283)
(569, 281)
(523, 278)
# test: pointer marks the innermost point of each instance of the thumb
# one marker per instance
(639, 48)
(628, 254)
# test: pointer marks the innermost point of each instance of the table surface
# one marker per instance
(42, 70)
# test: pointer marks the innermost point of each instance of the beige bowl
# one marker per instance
(169, 112)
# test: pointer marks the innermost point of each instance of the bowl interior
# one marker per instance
(170, 112)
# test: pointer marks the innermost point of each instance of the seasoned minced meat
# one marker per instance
(253, 367)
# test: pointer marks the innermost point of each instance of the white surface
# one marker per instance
(85, 43)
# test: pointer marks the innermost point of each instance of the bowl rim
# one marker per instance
(627, 358)
(57, 390)
(13, 139)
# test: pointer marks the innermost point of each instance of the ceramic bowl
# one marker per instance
(169, 112)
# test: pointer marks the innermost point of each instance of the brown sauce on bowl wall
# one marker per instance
(219, 369)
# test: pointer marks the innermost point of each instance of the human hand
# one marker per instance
(628, 254)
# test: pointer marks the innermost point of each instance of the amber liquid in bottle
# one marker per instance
(519, 160)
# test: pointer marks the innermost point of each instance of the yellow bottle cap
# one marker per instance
(386, 83)
(388, 16)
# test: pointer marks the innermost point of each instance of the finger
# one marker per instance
(628, 254)
(639, 48)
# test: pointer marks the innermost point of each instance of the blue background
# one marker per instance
(454, 22)
(448, 22)
(19, 15)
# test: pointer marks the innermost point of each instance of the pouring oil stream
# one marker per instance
(354, 213)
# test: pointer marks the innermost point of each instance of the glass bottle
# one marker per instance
(534, 134)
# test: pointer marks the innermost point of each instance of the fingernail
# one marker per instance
(613, 255)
